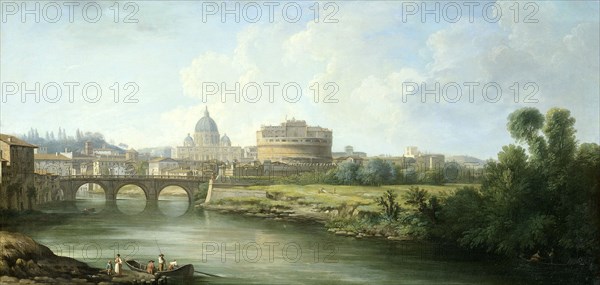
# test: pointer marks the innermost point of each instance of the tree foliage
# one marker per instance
(542, 199)
(347, 173)
(377, 172)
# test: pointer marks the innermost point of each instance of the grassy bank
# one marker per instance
(344, 210)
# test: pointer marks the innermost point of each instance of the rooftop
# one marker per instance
(49, 156)
(12, 140)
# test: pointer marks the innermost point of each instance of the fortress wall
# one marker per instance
(277, 151)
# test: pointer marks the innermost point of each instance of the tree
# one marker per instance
(389, 205)
(524, 126)
(141, 167)
(427, 205)
(463, 211)
(539, 200)
(377, 172)
(347, 173)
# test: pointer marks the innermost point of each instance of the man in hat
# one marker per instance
(161, 262)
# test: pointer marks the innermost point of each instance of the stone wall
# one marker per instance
(222, 193)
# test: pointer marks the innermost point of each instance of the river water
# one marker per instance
(249, 250)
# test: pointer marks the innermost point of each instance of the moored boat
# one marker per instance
(184, 271)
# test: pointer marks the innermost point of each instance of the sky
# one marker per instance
(373, 64)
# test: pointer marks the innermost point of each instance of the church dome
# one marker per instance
(225, 141)
(188, 141)
(206, 124)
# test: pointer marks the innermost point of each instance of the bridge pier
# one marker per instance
(151, 207)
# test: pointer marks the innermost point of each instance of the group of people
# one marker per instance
(118, 266)
(151, 268)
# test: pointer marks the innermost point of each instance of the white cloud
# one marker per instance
(368, 55)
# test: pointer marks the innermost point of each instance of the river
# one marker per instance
(250, 250)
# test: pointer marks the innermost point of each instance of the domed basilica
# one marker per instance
(207, 144)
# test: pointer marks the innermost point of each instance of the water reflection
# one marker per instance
(130, 206)
(248, 250)
(173, 208)
(124, 207)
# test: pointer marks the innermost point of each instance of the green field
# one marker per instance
(323, 196)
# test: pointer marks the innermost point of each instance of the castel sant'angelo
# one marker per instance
(293, 141)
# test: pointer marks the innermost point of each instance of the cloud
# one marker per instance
(367, 55)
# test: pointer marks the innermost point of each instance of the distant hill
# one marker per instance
(465, 159)
(64, 143)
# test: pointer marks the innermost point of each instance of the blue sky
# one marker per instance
(374, 49)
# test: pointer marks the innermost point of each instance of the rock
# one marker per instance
(44, 279)
(20, 262)
(18, 271)
(33, 269)
(61, 280)
(32, 260)
(4, 268)
(394, 238)
(8, 279)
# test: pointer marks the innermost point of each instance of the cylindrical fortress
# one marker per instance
(294, 141)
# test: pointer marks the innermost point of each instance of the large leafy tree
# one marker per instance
(377, 172)
(544, 197)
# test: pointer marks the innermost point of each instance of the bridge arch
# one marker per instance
(150, 185)
(143, 186)
(70, 191)
(188, 191)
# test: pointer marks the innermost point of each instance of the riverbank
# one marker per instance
(24, 261)
(343, 210)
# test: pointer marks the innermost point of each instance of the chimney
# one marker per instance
(9, 139)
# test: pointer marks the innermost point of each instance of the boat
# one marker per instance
(88, 211)
(184, 271)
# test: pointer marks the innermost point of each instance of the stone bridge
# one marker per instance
(152, 185)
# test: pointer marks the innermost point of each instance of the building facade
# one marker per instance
(207, 144)
(18, 173)
(294, 141)
(56, 164)
(161, 166)
(349, 153)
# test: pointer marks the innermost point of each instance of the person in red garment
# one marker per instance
(150, 267)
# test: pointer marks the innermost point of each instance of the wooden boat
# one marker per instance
(88, 211)
(184, 271)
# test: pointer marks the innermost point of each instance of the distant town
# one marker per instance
(292, 147)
